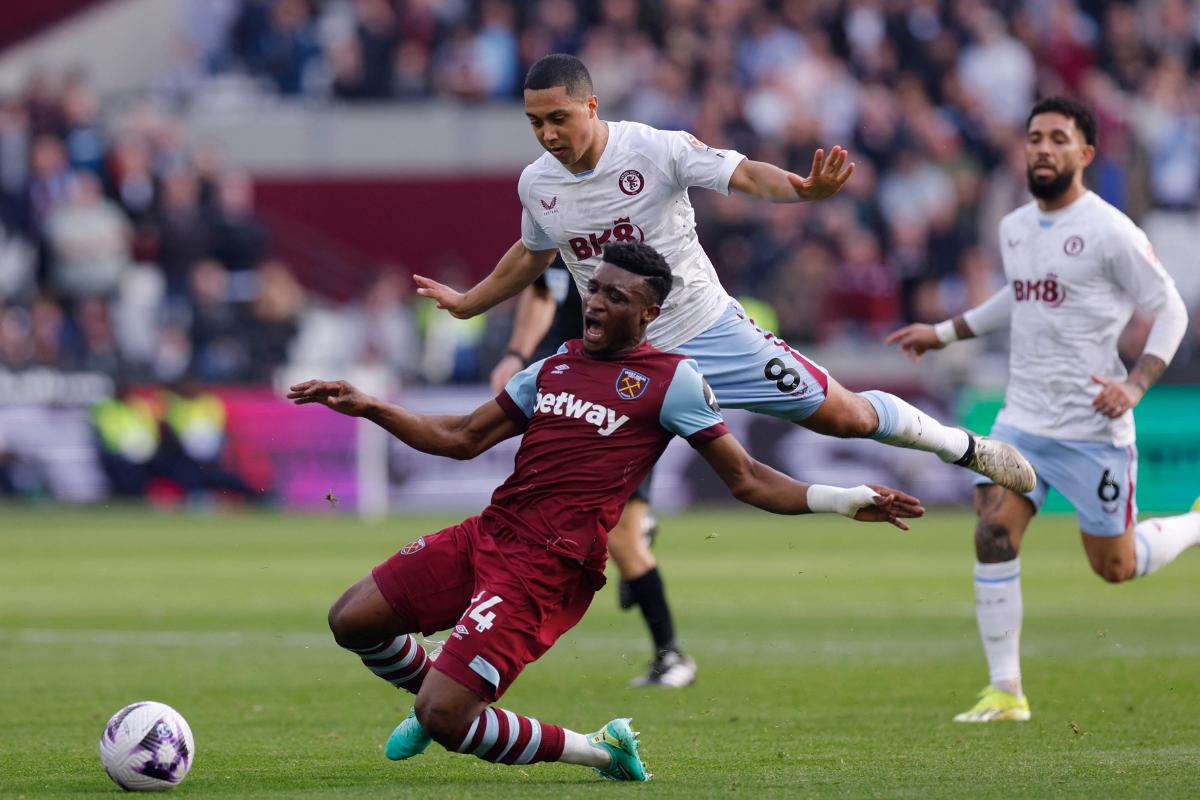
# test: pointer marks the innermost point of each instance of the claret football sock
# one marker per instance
(401, 661)
(904, 425)
(1158, 541)
(507, 738)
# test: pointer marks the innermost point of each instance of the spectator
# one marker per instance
(239, 241)
(274, 319)
(89, 240)
(182, 230)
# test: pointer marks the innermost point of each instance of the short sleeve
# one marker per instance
(1136, 269)
(520, 394)
(533, 235)
(690, 408)
(696, 164)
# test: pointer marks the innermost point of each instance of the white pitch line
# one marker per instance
(920, 648)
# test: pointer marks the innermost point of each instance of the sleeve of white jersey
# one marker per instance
(992, 314)
(533, 235)
(693, 163)
(1137, 270)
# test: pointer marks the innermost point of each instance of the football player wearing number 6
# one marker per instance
(1076, 269)
(508, 582)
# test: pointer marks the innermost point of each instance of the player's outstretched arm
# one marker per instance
(533, 318)
(461, 437)
(992, 314)
(755, 483)
(769, 182)
(916, 339)
(516, 269)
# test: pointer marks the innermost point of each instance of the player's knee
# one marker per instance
(993, 542)
(1113, 570)
(346, 625)
(855, 419)
(631, 555)
(339, 624)
(442, 722)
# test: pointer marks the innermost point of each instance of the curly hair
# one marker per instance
(642, 259)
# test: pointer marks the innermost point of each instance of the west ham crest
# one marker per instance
(413, 547)
(631, 384)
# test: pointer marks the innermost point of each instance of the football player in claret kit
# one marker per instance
(1076, 269)
(508, 582)
(601, 182)
(550, 310)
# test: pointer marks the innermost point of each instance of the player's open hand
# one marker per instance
(914, 340)
(827, 177)
(891, 506)
(1116, 397)
(449, 299)
(341, 396)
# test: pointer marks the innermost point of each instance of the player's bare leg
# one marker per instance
(461, 722)
(889, 419)
(1002, 517)
(630, 551)
(1142, 548)
(364, 623)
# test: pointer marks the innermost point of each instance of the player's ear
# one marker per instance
(1089, 153)
(593, 105)
(650, 313)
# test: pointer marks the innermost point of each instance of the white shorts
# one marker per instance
(1098, 479)
(751, 368)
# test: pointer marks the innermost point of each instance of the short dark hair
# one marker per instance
(642, 259)
(560, 69)
(1068, 107)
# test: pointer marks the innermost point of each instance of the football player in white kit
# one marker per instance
(1076, 269)
(604, 182)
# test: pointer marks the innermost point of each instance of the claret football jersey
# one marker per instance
(593, 428)
(638, 191)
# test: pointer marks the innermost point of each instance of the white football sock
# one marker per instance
(1158, 541)
(998, 611)
(578, 750)
(904, 425)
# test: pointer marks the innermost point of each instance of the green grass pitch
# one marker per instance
(832, 657)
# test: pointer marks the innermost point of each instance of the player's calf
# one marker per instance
(363, 623)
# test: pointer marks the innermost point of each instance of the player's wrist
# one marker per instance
(1139, 387)
(518, 355)
(824, 499)
(945, 331)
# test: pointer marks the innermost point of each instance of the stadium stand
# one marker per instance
(131, 248)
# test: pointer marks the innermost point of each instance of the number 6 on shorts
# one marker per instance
(476, 612)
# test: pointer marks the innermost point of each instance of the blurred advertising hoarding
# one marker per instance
(310, 459)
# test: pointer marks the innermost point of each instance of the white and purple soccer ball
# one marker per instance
(147, 747)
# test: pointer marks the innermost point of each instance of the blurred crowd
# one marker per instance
(125, 251)
(144, 255)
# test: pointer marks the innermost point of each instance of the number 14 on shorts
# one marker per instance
(478, 610)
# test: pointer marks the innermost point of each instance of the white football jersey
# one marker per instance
(637, 191)
(1075, 276)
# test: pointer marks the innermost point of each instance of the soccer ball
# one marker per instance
(147, 747)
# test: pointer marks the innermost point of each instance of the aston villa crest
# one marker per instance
(631, 384)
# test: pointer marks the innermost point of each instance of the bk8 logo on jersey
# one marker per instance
(622, 231)
(1047, 290)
